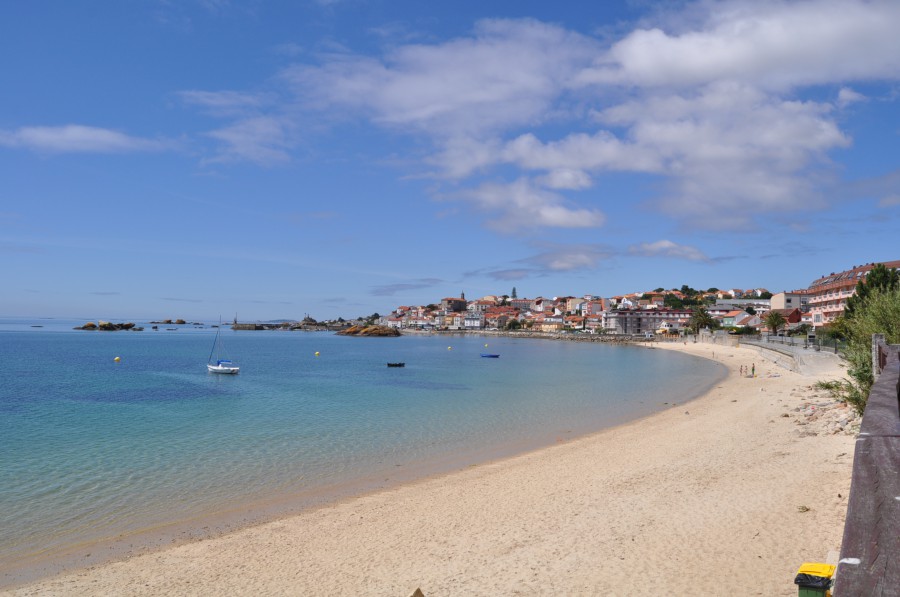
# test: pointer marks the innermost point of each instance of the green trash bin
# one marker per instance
(814, 580)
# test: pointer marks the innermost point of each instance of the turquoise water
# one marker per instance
(91, 448)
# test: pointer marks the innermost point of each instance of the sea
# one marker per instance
(115, 441)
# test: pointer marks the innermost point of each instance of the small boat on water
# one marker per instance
(396, 364)
(486, 355)
(222, 365)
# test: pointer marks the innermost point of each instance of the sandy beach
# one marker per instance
(727, 494)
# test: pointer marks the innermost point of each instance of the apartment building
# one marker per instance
(828, 295)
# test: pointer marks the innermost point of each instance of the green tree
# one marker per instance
(513, 324)
(774, 321)
(658, 290)
(750, 310)
(765, 295)
(514, 295)
(701, 318)
(688, 291)
(878, 278)
(673, 302)
(879, 313)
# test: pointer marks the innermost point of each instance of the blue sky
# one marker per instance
(338, 158)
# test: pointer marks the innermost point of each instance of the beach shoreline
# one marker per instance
(611, 512)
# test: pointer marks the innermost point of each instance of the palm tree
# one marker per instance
(700, 318)
(775, 321)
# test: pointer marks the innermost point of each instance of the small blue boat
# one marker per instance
(490, 356)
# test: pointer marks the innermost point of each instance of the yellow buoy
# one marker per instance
(117, 359)
(485, 345)
(449, 348)
(317, 353)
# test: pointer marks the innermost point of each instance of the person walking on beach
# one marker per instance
(753, 370)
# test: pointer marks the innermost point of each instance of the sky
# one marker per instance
(337, 158)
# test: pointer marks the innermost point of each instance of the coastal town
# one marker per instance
(653, 312)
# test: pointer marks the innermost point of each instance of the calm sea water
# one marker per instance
(91, 448)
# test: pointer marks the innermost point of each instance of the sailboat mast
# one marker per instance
(215, 345)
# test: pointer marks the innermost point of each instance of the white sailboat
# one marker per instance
(221, 365)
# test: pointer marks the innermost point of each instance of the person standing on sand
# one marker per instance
(753, 370)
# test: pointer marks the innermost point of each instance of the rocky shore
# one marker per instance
(382, 331)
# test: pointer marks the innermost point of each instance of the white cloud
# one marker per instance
(75, 138)
(263, 140)
(667, 248)
(522, 205)
(566, 178)
(557, 258)
(712, 105)
(731, 151)
(847, 96)
(507, 73)
(223, 103)
(772, 44)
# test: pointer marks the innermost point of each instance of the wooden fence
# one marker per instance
(870, 551)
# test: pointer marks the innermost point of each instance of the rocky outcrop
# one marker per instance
(370, 330)
(106, 326)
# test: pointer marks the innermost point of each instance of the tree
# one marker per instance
(775, 321)
(513, 324)
(658, 290)
(878, 278)
(801, 330)
(765, 295)
(513, 295)
(688, 291)
(750, 310)
(878, 313)
(701, 318)
(673, 302)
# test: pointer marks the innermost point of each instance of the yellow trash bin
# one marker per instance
(814, 579)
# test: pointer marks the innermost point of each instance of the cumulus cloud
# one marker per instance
(772, 44)
(522, 205)
(721, 105)
(74, 138)
(506, 73)
(667, 248)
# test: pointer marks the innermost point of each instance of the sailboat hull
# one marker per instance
(226, 369)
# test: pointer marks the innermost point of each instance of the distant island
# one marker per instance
(105, 326)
